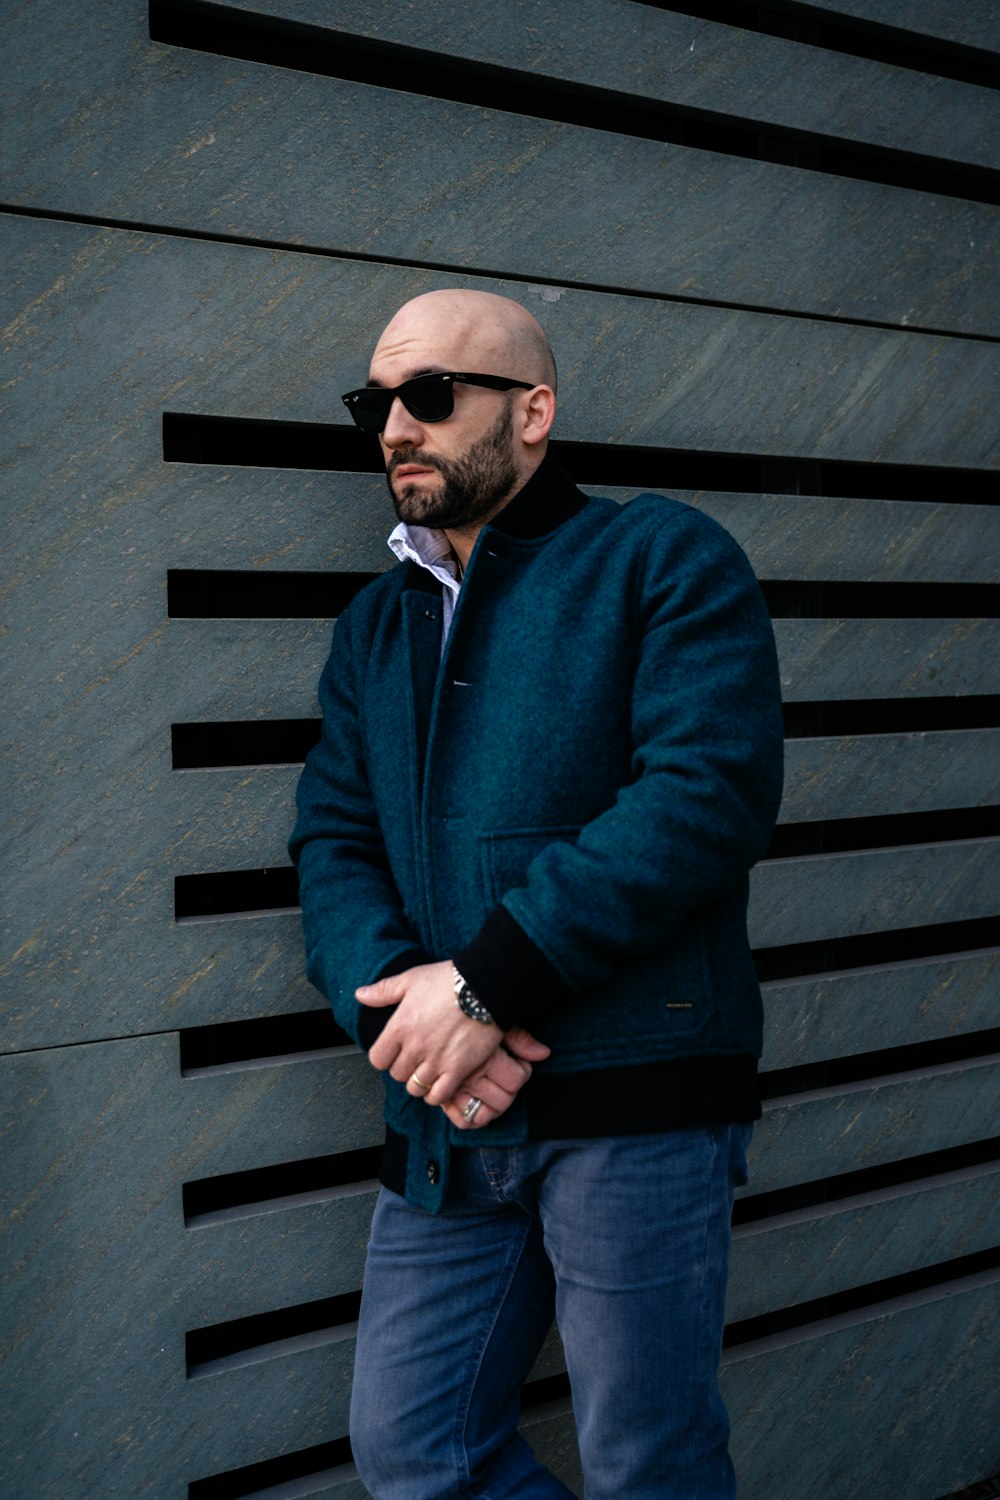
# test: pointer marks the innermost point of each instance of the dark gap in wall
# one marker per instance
(271, 891)
(888, 831)
(815, 599)
(320, 50)
(545, 1392)
(220, 1341)
(315, 1176)
(854, 1298)
(838, 1072)
(225, 1042)
(237, 594)
(815, 26)
(234, 442)
(215, 744)
(273, 1474)
(986, 1489)
(263, 594)
(833, 955)
(882, 1178)
(227, 893)
(259, 443)
(328, 1463)
(890, 716)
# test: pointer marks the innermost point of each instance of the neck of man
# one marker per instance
(462, 539)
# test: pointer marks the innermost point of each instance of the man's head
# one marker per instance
(458, 472)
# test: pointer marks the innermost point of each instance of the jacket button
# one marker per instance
(433, 1173)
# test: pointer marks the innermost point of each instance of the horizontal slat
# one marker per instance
(800, 1257)
(303, 1398)
(293, 1110)
(820, 896)
(230, 820)
(842, 1014)
(250, 519)
(654, 55)
(258, 1262)
(856, 541)
(299, 1254)
(241, 819)
(904, 1390)
(212, 136)
(738, 381)
(811, 1136)
(971, 24)
(242, 669)
(876, 774)
(841, 659)
(263, 518)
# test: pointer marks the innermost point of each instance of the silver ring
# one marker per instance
(472, 1109)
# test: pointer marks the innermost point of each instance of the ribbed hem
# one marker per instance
(510, 975)
(668, 1095)
(674, 1095)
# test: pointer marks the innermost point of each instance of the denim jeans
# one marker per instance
(626, 1239)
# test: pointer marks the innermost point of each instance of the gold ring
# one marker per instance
(424, 1088)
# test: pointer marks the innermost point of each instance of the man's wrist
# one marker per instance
(468, 1001)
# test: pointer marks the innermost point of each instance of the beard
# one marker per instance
(472, 489)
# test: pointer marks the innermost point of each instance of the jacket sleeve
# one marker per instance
(352, 915)
(698, 809)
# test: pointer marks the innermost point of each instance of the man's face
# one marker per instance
(429, 489)
(459, 472)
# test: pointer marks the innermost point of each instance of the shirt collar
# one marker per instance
(429, 548)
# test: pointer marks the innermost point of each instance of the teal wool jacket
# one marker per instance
(567, 803)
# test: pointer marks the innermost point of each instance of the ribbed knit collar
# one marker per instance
(547, 500)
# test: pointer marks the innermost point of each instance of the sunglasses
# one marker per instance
(429, 398)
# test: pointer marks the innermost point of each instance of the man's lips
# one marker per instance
(407, 471)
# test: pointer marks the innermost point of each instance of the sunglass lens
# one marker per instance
(428, 398)
(370, 409)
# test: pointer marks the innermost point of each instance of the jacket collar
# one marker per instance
(548, 500)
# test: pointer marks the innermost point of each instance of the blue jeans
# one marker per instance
(626, 1239)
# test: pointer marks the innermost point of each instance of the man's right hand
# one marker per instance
(498, 1081)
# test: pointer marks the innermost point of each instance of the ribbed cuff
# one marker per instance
(509, 973)
(373, 1019)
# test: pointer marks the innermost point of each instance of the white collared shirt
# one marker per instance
(431, 549)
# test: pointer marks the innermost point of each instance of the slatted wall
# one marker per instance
(765, 245)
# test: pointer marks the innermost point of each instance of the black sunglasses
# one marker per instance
(429, 398)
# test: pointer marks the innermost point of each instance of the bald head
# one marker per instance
(470, 330)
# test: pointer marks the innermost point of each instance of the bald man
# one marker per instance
(551, 752)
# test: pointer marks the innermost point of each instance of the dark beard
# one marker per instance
(474, 488)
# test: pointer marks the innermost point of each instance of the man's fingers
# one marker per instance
(383, 991)
(509, 1072)
(460, 1112)
(522, 1044)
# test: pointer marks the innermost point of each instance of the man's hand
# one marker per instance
(430, 1045)
(498, 1082)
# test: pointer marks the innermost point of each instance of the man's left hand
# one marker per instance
(430, 1045)
(498, 1082)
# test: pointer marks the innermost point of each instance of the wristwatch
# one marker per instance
(468, 1001)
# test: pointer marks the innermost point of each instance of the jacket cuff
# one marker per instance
(373, 1019)
(509, 973)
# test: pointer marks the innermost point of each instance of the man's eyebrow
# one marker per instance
(424, 370)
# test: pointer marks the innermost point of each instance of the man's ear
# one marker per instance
(539, 412)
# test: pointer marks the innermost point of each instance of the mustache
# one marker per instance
(411, 456)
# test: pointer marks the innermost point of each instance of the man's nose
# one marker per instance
(402, 430)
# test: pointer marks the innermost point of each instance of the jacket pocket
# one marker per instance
(507, 854)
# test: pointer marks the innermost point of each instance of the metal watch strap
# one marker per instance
(468, 1001)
